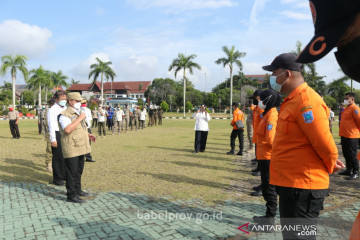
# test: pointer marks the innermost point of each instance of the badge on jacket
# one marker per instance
(308, 117)
(269, 127)
(356, 111)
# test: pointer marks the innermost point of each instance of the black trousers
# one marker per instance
(74, 170)
(40, 127)
(14, 129)
(349, 148)
(58, 163)
(299, 207)
(268, 190)
(240, 134)
(88, 155)
(94, 122)
(200, 140)
(101, 127)
(109, 123)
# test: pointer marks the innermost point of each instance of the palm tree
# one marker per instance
(74, 82)
(17, 62)
(232, 57)
(103, 69)
(39, 78)
(7, 86)
(184, 63)
(59, 79)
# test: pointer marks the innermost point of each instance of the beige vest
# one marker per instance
(77, 142)
(13, 115)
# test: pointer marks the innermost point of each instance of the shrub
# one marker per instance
(164, 106)
(188, 106)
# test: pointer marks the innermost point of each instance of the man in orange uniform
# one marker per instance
(304, 152)
(269, 101)
(349, 133)
(238, 115)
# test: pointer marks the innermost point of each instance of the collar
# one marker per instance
(296, 91)
(73, 110)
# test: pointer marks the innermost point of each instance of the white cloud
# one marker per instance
(182, 5)
(296, 15)
(21, 38)
(256, 9)
(137, 68)
(82, 70)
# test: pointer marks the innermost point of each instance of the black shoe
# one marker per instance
(75, 199)
(345, 172)
(263, 220)
(353, 176)
(202, 150)
(254, 160)
(265, 228)
(59, 183)
(83, 194)
(231, 152)
(256, 173)
(256, 194)
(239, 153)
(255, 170)
(90, 160)
(257, 188)
(195, 151)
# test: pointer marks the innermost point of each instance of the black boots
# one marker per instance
(345, 172)
(353, 176)
(231, 152)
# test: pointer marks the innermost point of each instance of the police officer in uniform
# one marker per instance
(48, 154)
(127, 116)
(160, 115)
(304, 151)
(14, 122)
(88, 119)
(75, 141)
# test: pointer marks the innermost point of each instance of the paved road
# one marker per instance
(39, 211)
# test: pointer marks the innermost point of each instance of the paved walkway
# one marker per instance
(39, 211)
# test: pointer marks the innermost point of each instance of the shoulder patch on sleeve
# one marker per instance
(356, 111)
(305, 108)
(308, 117)
(269, 127)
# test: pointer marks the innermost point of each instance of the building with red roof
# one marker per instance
(134, 89)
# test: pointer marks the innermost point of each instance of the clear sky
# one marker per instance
(142, 37)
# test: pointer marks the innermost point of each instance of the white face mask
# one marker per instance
(346, 102)
(62, 103)
(261, 105)
(77, 106)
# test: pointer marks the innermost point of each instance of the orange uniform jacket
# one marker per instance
(256, 120)
(350, 122)
(237, 115)
(265, 134)
(304, 151)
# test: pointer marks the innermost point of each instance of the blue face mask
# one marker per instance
(274, 85)
(62, 103)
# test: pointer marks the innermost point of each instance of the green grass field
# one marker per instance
(157, 161)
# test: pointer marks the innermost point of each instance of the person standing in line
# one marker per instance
(151, 118)
(269, 101)
(160, 113)
(127, 117)
(249, 126)
(349, 133)
(110, 114)
(58, 162)
(238, 130)
(41, 117)
(48, 154)
(304, 151)
(102, 113)
(155, 115)
(142, 117)
(94, 117)
(13, 116)
(331, 119)
(135, 118)
(145, 112)
(75, 140)
(119, 115)
(88, 120)
(202, 118)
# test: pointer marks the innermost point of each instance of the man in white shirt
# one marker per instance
(119, 115)
(58, 163)
(201, 128)
(88, 119)
(102, 113)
